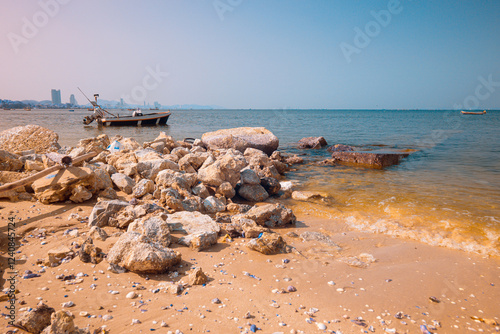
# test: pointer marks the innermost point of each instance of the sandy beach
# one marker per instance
(388, 295)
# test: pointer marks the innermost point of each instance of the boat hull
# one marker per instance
(145, 120)
(473, 112)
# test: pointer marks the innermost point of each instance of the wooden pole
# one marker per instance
(34, 177)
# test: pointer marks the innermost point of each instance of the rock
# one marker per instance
(294, 160)
(143, 187)
(212, 204)
(55, 255)
(59, 186)
(107, 194)
(225, 169)
(147, 154)
(312, 142)
(96, 232)
(241, 138)
(268, 243)
(95, 144)
(80, 194)
(318, 236)
(169, 178)
(37, 319)
(226, 190)
(139, 254)
(121, 160)
(192, 203)
(10, 161)
(271, 215)
(62, 322)
(271, 185)
(197, 277)
(286, 189)
(253, 192)
(201, 229)
(31, 165)
(130, 144)
(131, 295)
(306, 195)
(155, 228)
(89, 253)
(279, 166)
(191, 162)
(248, 226)
(200, 190)
(103, 181)
(123, 182)
(29, 137)
(370, 159)
(256, 158)
(248, 176)
(150, 169)
(180, 152)
(340, 148)
(130, 213)
(102, 211)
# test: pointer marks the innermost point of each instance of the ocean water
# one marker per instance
(447, 193)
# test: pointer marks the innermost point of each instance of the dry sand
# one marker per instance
(403, 277)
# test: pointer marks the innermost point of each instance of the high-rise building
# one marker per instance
(121, 102)
(72, 100)
(56, 96)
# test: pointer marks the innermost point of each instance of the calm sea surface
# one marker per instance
(447, 193)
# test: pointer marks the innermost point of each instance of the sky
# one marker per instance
(278, 54)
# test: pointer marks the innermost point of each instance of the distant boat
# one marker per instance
(137, 119)
(473, 112)
(90, 109)
(72, 110)
(27, 108)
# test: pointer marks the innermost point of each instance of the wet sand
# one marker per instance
(402, 278)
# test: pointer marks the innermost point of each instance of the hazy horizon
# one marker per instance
(241, 54)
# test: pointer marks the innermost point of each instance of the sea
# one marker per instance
(446, 193)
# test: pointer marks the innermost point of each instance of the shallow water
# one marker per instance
(447, 193)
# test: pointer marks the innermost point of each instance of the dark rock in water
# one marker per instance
(271, 185)
(340, 148)
(312, 142)
(369, 159)
(36, 320)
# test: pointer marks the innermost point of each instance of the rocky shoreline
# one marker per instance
(154, 211)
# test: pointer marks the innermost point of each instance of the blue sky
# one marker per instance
(255, 54)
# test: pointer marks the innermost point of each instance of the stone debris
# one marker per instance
(37, 319)
(268, 243)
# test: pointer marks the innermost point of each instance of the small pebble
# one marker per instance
(131, 295)
(321, 326)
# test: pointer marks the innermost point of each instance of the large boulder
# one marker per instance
(271, 215)
(10, 161)
(37, 319)
(241, 138)
(137, 253)
(59, 186)
(149, 169)
(62, 322)
(312, 142)
(143, 187)
(29, 137)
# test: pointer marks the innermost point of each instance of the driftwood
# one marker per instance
(60, 159)
(34, 177)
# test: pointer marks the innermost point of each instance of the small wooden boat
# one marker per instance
(137, 119)
(27, 108)
(473, 112)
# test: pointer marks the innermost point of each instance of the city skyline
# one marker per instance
(281, 54)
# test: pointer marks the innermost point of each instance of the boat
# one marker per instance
(473, 112)
(100, 115)
(72, 110)
(27, 108)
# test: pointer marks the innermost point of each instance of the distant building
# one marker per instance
(121, 102)
(157, 105)
(72, 100)
(56, 96)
